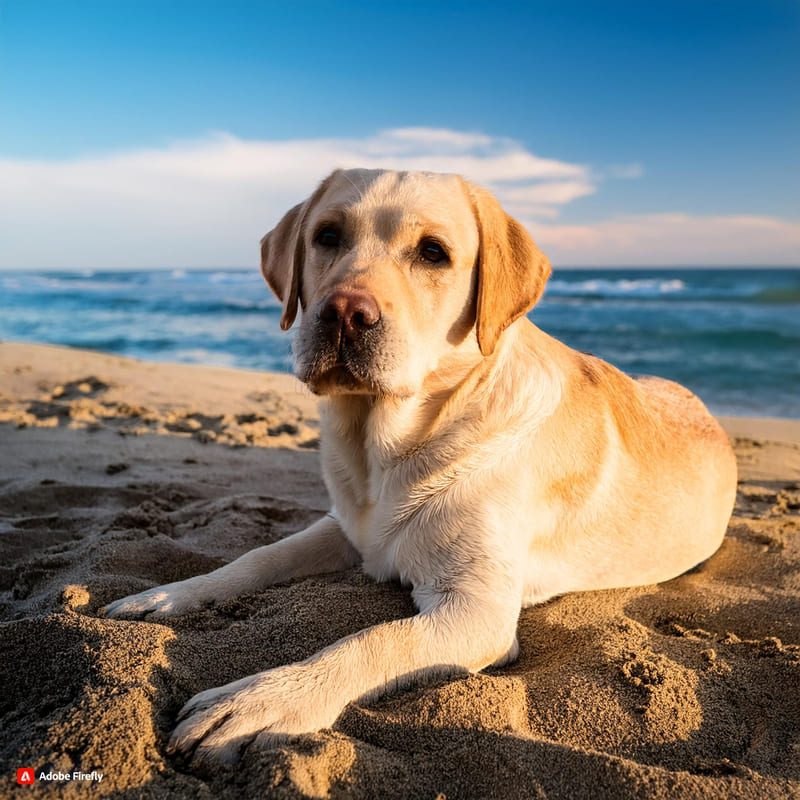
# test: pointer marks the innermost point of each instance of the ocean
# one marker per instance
(730, 335)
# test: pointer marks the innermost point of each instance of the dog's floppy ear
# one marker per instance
(512, 271)
(283, 252)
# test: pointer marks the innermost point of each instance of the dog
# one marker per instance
(467, 453)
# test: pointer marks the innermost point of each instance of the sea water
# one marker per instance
(730, 335)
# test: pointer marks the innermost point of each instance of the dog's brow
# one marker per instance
(387, 221)
(330, 215)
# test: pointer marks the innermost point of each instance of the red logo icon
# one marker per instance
(25, 775)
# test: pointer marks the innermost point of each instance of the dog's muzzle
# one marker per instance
(344, 344)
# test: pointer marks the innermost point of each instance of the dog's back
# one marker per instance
(637, 478)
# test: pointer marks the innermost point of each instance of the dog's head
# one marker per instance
(395, 273)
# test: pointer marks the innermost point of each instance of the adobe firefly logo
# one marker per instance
(25, 775)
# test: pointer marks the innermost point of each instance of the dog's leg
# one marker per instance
(455, 633)
(322, 547)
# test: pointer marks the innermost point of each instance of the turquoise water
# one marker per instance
(731, 335)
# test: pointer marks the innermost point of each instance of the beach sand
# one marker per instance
(117, 475)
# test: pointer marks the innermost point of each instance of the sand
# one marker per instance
(116, 475)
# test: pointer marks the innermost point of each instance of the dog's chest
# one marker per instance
(371, 499)
(367, 501)
(389, 489)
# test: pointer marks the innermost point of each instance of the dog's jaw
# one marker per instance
(338, 379)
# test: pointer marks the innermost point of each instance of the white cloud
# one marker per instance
(408, 138)
(206, 203)
(672, 239)
(549, 193)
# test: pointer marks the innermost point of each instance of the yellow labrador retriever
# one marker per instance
(466, 452)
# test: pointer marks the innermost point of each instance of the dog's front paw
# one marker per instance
(217, 725)
(162, 601)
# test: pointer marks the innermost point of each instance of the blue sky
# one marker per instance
(158, 133)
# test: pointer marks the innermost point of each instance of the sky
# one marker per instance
(161, 134)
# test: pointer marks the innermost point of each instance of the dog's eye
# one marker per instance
(328, 236)
(431, 250)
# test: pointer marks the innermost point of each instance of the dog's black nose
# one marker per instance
(351, 311)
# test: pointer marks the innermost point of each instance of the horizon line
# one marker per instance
(556, 267)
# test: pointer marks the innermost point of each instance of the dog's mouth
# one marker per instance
(339, 377)
(329, 365)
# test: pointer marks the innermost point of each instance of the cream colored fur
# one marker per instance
(467, 454)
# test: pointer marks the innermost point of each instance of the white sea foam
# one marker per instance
(235, 277)
(622, 287)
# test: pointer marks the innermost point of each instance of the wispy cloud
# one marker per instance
(673, 239)
(624, 171)
(207, 202)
